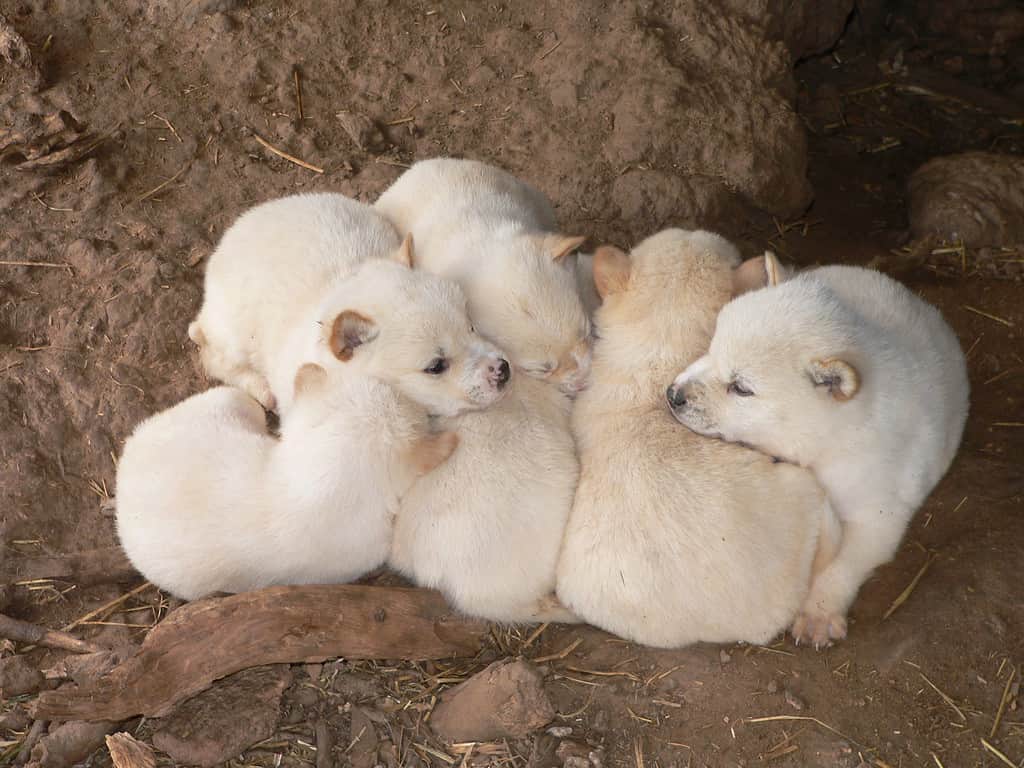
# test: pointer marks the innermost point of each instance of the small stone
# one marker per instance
(724, 656)
(575, 761)
(18, 677)
(596, 758)
(560, 731)
(570, 750)
(505, 700)
(363, 131)
(773, 686)
(794, 701)
(226, 719)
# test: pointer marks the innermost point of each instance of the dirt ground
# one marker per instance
(92, 345)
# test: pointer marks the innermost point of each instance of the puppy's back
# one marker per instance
(676, 539)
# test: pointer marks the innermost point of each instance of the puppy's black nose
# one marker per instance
(504, 372)
(676, 396)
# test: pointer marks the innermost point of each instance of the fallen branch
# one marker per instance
(208, 639)
(23, 632)
(94, 566)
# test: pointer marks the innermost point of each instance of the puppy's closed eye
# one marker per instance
(739, 389)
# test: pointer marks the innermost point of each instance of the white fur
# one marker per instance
(878, 451)
(485, 528)
(287, 269)
(207, 501)
(673, 538)
(495, 235)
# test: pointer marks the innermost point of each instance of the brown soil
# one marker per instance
(89, 348)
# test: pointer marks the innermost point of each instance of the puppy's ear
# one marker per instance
(309, 378)
(351, 330)
(773, 269)
(839, 376)
(560, 246)
(757, 272)
(612, 268)
(406, 254)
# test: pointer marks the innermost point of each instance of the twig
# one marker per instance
(167, 122)
(826, 726)
(290, 158)
(107, 606)
(55, 265)
(23, 632)
(549, 51)
(910, 588)
(298, 94)
(1002, 702)
(160, 186)
(945, 698)
(561, 654)
(976, 311)
(1003, 758)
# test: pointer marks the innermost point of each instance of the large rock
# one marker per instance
(976, 198)
(505, 701)
(691, 91)
(225, 720)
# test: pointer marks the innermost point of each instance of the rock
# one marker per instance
(225, 720)
(570, 752)
(18, 677)
(68, 744)
(363, 738)
(17, 719)
(363, 131)
(506, 700)
(724, 657)
(794, 701)
(975, 197)
(560, 731)
(128, 752)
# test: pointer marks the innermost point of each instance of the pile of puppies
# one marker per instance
(442, 411)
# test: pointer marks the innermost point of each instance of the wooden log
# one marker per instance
(95, 566)
(208, 639)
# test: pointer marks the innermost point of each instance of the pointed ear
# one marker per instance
(840, 377)
(350, 330)
(405, 254)
(309, 378)
(560, 246)
(612, 268)
(774, 269)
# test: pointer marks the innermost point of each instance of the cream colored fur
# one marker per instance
(485, 528)
(850, 375)
(207, 501)
(495, 235)
(285, 273)
(673, 538)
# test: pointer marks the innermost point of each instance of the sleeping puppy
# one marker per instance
(673, 538)
(313, 277)
(208, 502)
(485, 528)
(496, 236)
(846, 372)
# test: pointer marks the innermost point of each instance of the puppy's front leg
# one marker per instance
(866, 543)
(429, 452)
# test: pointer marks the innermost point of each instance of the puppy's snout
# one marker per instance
(499, 372)
(676, 396)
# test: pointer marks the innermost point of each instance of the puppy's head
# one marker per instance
(529, 301)
(411, 329)
(662, 298)
(782, 368)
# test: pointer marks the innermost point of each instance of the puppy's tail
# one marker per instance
(550, 609)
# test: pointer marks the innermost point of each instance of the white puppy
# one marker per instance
(846, 372)
(673, 538)
(486, 527)
(309, 278)
(207, 501)
(495, 235)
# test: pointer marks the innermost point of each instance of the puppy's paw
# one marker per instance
(818, 628)
(432, 451)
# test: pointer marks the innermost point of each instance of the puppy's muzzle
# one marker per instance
(676, 396)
